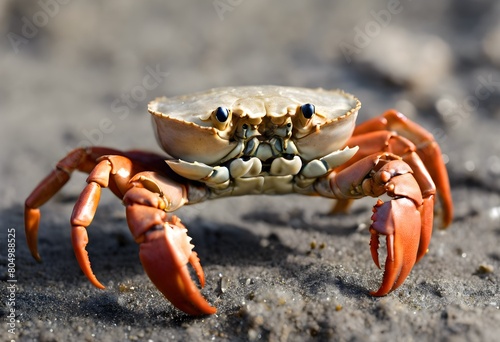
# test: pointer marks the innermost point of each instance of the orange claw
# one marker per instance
(399, 220)
(164, 255)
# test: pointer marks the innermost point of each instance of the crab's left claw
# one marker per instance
(165, 253)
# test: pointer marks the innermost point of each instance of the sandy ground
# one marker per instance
(76, 73)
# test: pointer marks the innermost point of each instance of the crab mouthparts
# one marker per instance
(269, 149)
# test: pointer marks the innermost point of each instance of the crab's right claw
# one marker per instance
(164, 255)
(399, 221)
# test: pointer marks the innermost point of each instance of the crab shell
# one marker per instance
(186, 128)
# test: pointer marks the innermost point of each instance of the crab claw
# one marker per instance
(164, 254)
(399, 220)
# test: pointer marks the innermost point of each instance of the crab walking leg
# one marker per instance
(165, 248)
(426, 147)
(398, 219)
(82, 159)
(116, 168)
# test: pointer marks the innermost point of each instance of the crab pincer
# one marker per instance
(165, 253)
(399, 221)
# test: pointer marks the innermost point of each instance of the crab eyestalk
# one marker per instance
(303, 120)
(221, 118)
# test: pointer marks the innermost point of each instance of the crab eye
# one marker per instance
(222, 114)
(221, 118)
(307, 110)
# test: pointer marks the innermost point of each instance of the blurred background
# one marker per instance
(76, 73)
(68, 67)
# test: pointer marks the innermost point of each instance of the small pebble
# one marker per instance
(485, 269)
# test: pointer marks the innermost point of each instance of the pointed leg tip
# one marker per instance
(32, 245)
(446, 222)
(212, 311)
(386, 288)
(378, 293)
(91, 277)
(37, 257)
(208, 310)
(383, 290)
(195, 304)
(34, 253)
(98, 285)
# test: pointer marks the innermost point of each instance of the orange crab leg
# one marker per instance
(83, 214)
(115, 171)
(81, 159)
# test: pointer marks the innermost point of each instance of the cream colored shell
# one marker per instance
(185, 130)
(254, 102)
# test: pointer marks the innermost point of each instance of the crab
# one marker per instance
(257, 140)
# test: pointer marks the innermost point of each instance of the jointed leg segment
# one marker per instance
(81, 159)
